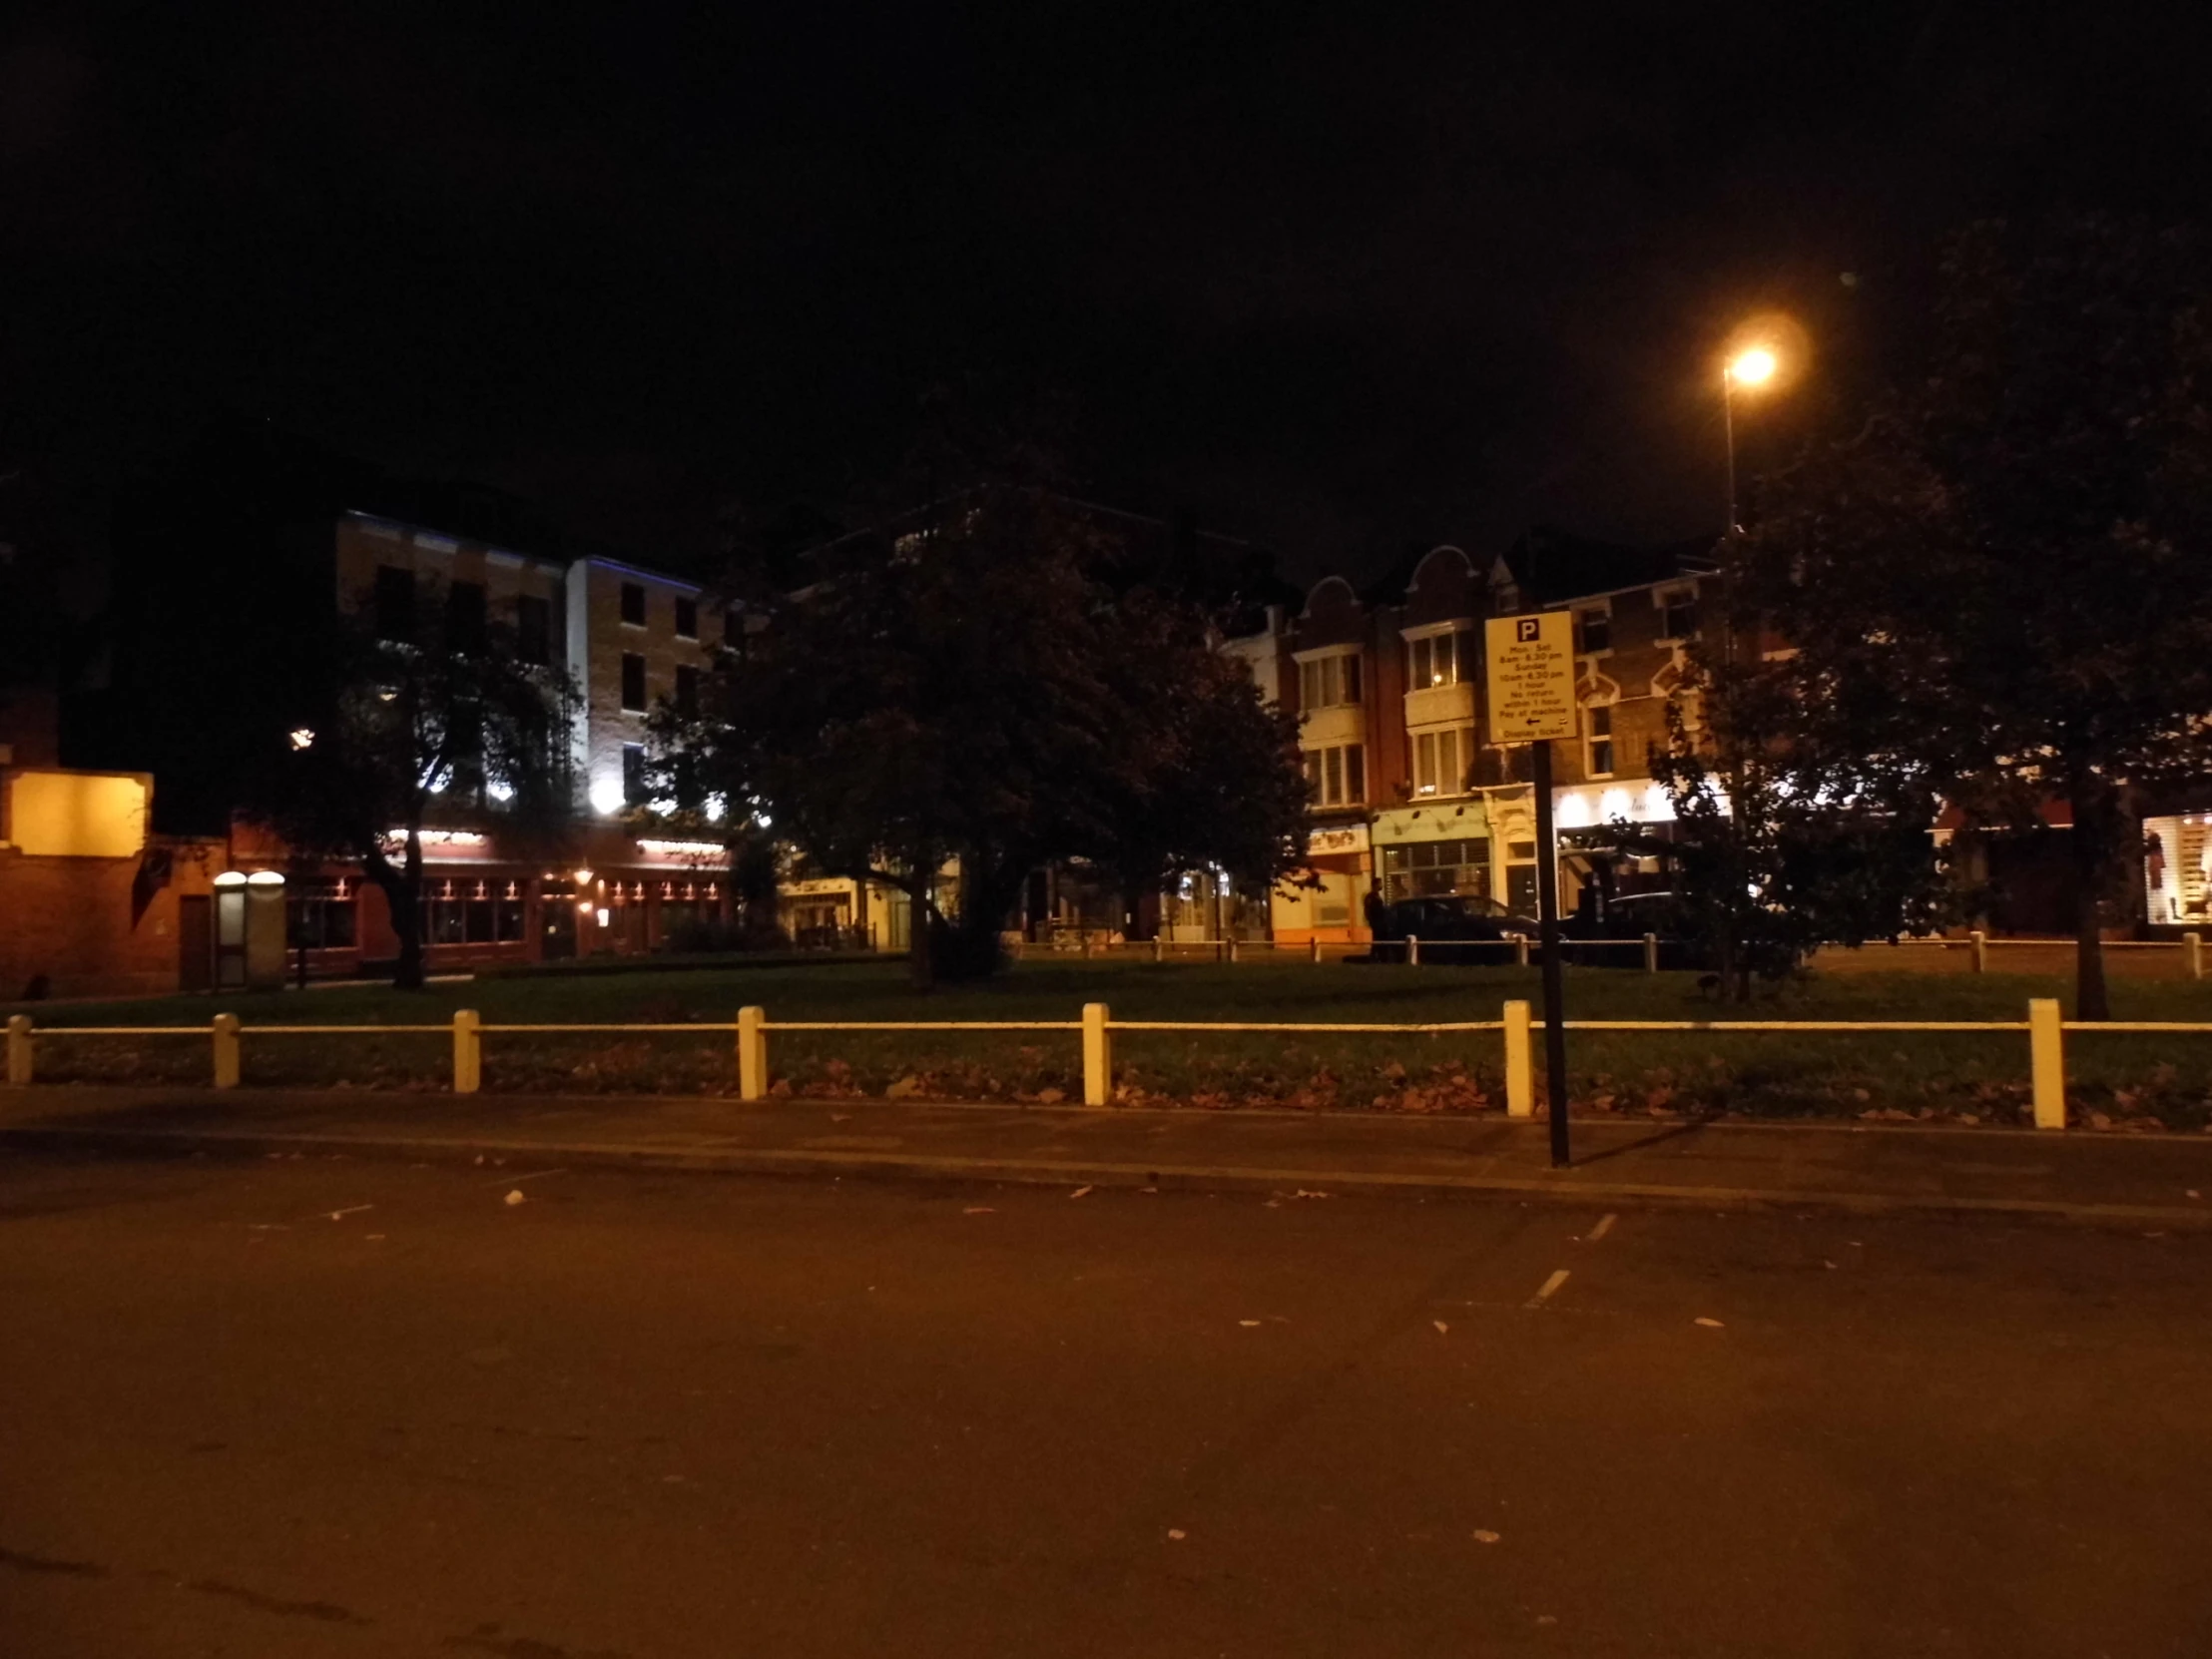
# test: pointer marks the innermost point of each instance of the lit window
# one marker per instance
(1337, 776)
(1440, 660)
(1441, 759)
(1329, 682)
(1600, 734)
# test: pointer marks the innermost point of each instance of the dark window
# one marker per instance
(632, 773)
(1355, 772)
(685, 781)
(1679, 616)
(633, 682)
(1596, 628)
(476, 921)
(395, 612)
(632, 604)
(507, 920)
(533, 629)
(687, 692)
(464, 618)
(687, 619)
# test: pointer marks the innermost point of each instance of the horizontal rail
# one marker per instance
(1238, 1025)
(543, 1030)
(129, 1030)
(921, 1025)
(343, 1030)
(2133, 1025)
(1794, 1025)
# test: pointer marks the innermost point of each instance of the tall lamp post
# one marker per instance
(1749, 369)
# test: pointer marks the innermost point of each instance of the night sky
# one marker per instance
(1340, 279)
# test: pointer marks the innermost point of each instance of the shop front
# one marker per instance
(1340, 859)
(2177, 871)
(1442, 850)
(1592, 819)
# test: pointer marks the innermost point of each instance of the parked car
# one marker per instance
(1631, 916)
(1447, 917)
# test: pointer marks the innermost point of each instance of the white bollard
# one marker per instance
(1098, 1056)
(225, 1031)
(752, 1053)
(1979, 942)
(19, 1050)
(1312, 948)
(1413, 950)
(2192, 951)
(1651, 953)
(468, 1051)
(1156, 947)
(2046, 1050)
(1520, 1087)
(1521, 949)
(1232, 943)
(1086, 947)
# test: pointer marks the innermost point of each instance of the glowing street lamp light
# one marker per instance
(1753, 368)
(1749, 369)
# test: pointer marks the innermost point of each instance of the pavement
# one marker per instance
(316, 1406)
(2145, 1181)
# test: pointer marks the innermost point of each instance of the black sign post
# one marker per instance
(1555, 997)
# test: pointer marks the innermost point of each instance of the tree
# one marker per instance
(965, 688)
(1996, 584)
(1782, 841)
(1210, 779)
(435, 724)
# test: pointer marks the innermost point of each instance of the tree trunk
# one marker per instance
(922, 953)
(401, 886)
(2087, 845)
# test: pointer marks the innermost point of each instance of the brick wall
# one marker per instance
(97, 926)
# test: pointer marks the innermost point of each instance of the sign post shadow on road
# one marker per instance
(1529, 682)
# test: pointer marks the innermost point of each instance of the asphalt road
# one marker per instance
(317, 1408)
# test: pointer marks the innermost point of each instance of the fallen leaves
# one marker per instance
(1442, 1329)
(514, 1196)
(1080, 1192)
(1708, 1323)
(1484, 1535)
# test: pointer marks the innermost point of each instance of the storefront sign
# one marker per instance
(1350, 838)
(1531, 677)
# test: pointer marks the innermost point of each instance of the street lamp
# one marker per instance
(1749, 369)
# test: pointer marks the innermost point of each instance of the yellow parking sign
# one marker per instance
(1530, 677)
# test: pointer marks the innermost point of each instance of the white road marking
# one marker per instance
(1544, 1291)
(537, 1175)
(1603, 1227)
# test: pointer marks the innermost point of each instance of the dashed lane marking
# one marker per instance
(1545, 1290)
(1603, 1227)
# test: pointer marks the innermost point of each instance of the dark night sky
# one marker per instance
(1338, 279)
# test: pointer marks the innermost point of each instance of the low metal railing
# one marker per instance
(2045, 1027)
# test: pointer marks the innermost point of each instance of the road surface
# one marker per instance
(317, 1408)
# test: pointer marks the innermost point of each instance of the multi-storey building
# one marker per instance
(1410, 798)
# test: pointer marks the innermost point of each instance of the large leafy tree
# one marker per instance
(975, 687)
(1784, 840)
(428, 721)
(1998, 583)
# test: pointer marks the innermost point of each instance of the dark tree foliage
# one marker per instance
(423, 731)
(1782, 841)
(964, 694)
(1998, 584)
